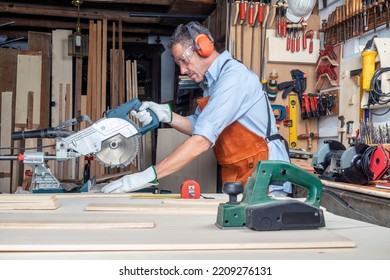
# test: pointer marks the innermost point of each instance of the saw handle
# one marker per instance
(122, 111)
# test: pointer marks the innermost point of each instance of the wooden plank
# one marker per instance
(78, 86)
(368, 190)
(62, 70)
(28, 79)
(27, 197)
(69, 225)
(5, 140)
(28, 202)
(174, 232)
(160, 208)
(104, 67)
(39, 41)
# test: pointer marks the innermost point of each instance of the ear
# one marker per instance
(204, 45)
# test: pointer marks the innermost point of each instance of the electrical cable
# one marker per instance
(376, 96)
(346, 205)
(365, 162)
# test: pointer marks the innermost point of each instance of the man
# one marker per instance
(234, 116)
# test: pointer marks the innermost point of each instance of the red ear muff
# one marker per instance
(204, 46)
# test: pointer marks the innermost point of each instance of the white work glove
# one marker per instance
(133, 182)
(162, 111)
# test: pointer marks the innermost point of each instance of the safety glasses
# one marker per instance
(185, 57)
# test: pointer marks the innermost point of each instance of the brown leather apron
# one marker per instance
(237, 150)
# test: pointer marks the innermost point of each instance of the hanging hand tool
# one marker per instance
(297, 85)
(284, 20)
(368, 54)
(288, 40)
(293, 121)
(251, 13)
(298, 41)
(375, 4)
(272, 85)
(260, 12)
(294, 34)
(242, 8)
(303, 28)
(387, 13)
(260, 212)
(309, 35)
(280, 112)
(341, 129)
(279, 7)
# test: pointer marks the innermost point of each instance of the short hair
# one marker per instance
(181, 35)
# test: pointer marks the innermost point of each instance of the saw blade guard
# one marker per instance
(122, 112)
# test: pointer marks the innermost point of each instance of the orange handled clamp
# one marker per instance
(260, 12)
(190, 189)
(242, 9)
(251, 13)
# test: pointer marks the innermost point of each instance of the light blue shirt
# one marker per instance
(236, 94)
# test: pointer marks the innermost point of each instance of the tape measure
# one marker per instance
(190, 189)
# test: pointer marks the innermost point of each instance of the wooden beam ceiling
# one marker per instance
(46, 15)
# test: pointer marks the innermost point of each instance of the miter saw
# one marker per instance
(359, 164)
(113, 140)
(261, 212)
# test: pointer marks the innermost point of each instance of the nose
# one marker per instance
(183, 69)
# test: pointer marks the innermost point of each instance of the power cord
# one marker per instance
(376, 95)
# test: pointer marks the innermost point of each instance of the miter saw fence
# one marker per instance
(113, 140)
(260, 212)
(359, 164)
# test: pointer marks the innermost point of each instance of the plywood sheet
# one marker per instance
(171, 233)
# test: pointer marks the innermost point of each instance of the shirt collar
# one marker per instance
(214, 70)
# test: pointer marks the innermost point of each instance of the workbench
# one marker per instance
(183, 234)
(366, 203)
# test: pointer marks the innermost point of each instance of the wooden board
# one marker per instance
(54, 224)
(28, 80)
(28, 202)
(171, 233)
(39, 41)
(5, 139)
(369, 189)
(127, 207)
(61, 72)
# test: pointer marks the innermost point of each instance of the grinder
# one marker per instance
(261, 212)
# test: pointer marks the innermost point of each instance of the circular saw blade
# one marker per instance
(118, 151)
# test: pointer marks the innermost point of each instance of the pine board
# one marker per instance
(127, 207)
(28, 202)
(68, 225)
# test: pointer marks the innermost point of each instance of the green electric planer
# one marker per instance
(260, 212)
